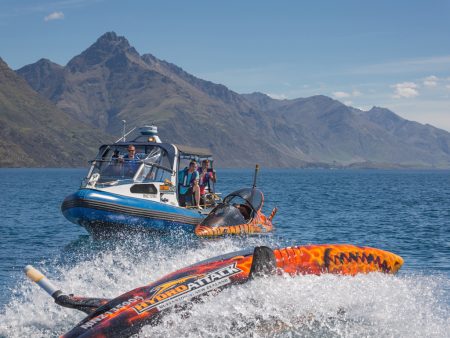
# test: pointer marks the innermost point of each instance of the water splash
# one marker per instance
(371, 305)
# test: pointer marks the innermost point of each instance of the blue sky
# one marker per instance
(393, 54)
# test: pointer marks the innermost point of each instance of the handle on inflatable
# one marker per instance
(38, 277)
(85, 304)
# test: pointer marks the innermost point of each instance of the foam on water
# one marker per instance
(372, 305)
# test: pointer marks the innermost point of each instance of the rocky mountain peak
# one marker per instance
(111, 40)
(44, 76)
(108, 46)
(260, 100)
(379, 113)
(385, 118)
(43, 65)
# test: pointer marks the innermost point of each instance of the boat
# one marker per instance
(123, 194)
(127, 314)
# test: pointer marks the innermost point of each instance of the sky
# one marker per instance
(392, 54)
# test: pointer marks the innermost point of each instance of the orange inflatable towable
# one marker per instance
(240, 213)
(125, 315)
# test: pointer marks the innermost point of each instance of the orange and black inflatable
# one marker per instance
(125, 315)
(240, 213)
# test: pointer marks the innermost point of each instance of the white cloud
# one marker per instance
(405, 89)
(54, 16)
(277, 96)
(431, 81)
(345, 95)
(348, 103)
(341, 95)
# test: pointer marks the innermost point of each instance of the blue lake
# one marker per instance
(406, 212)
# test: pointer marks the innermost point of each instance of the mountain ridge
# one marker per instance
(35, 133)
(110, 82)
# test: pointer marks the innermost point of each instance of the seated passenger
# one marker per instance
(244, 210)
(115, 155)
(115, 158)
(188, 185)
(207, 175)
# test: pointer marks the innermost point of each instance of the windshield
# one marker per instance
(235, 209)
(146, 164)
(252, 196)
(224, 215)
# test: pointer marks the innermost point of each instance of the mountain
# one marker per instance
(110, 82)
(320, 129)
(35, 133)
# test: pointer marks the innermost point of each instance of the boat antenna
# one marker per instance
(123, 131)
(255, 175)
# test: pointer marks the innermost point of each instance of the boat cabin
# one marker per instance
(150, 173)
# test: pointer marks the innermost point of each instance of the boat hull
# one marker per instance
(105, 212)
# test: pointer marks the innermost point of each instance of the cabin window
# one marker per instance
(144, 189)
(151, 163)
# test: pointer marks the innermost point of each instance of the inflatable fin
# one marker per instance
(84, 304)
(273, 213)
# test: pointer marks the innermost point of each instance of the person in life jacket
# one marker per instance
(207, 178)
(188, 185)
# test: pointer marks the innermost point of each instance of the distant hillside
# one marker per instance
(320, 129)
(35, 133)
(110, 82)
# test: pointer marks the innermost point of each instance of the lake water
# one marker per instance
(406, 212)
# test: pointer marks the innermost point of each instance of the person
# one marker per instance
(188, 185)
(115, 156)
(244, 210)
(132, 161)
(206, 176)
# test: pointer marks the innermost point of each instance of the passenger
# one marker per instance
(207, 175)
(188, 185)
(244, 210)
(115, 156)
